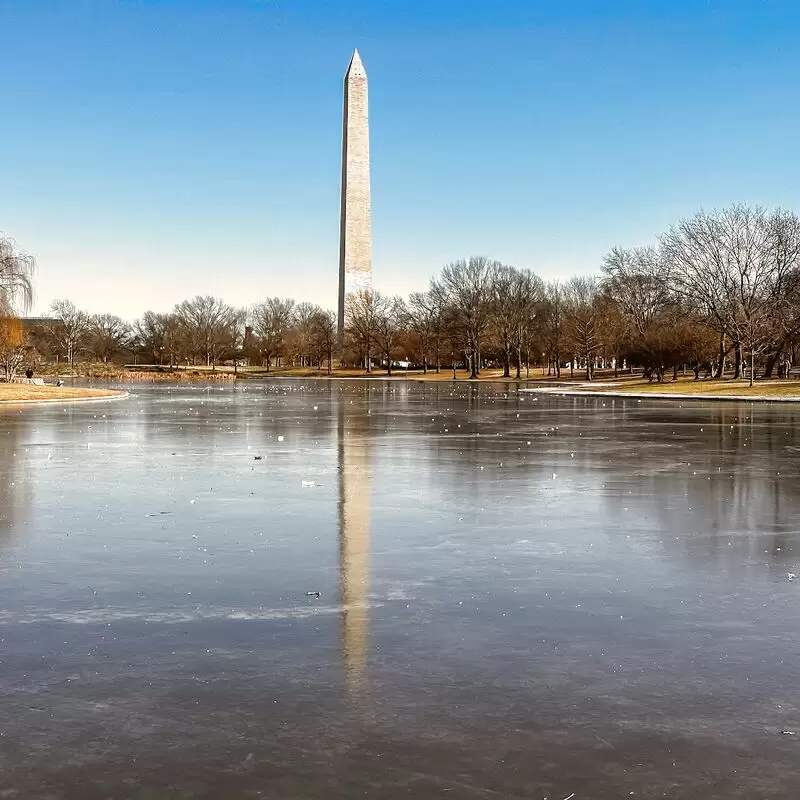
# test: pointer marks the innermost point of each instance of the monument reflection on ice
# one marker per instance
(355, 487)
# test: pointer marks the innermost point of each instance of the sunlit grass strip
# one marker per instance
(23, 392)
(708, 388)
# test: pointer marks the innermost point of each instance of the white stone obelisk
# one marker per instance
(355, 234)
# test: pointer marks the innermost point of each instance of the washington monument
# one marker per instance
(355, 234)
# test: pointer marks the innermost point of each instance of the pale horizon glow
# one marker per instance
(166, 149)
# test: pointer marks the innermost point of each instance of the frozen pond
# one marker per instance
(521, 596)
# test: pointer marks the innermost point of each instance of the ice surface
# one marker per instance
(517, 598)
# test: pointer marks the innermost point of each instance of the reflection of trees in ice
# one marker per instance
(229, 417)
(15, 485)
(717, 483)
(703, 481)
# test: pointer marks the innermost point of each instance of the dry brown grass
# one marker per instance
(116, 372)
(23, 392)
(178, 376)
(446, 374)
(200, 373)
(712, 388)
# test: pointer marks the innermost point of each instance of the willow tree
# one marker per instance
(16, 277)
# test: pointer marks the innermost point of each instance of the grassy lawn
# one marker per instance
(14, 392)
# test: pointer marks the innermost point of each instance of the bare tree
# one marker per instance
(529, 293)
(177, 344)
(465, 288)
(69, 330)
(303, 330)
(786, 324)
(271, 320)
(326, 334)
(637, 307)
(533, 341)
(515, 296)
(734, 265)
(16, 276)
(108, 335)
(208, 324)
(616, 329)
(389, 314)
(784, 319)
(582, 317)
(552, 316)
(635, 281)
(504, 312)
(150, 332)
(237, 331)
(423, 318)
(362, 324)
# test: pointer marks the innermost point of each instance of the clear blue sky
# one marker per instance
(157, 149)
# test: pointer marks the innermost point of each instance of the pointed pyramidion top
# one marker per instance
(356, 68)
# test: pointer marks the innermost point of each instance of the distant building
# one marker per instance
(31, 324)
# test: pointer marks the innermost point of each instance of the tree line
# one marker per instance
(203, 330)
(718, 293)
